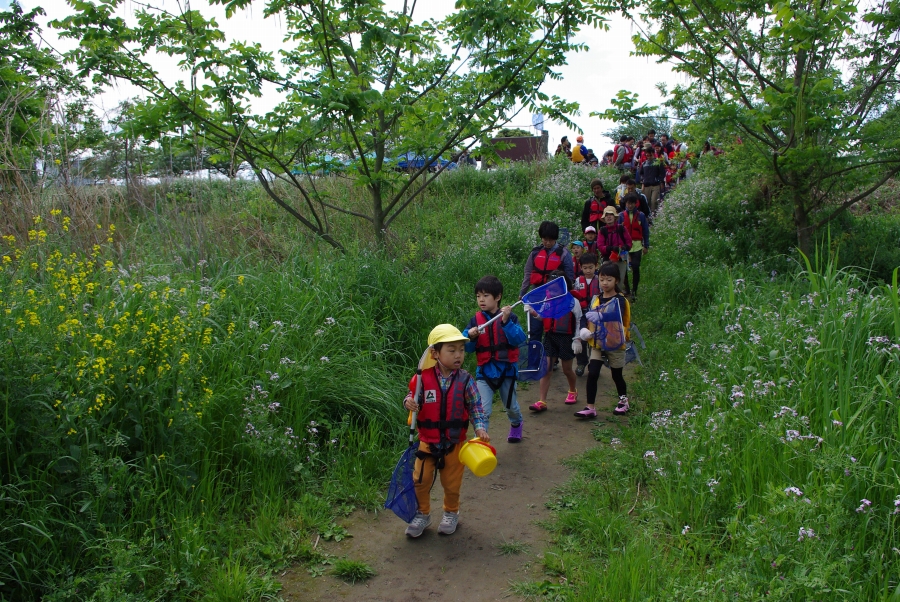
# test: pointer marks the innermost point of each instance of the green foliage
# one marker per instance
(352, 571)
(186, 413)
(819, 129)
(512, 133)
(512, 547)
(632, 120)
(759, 463)
(356, 80)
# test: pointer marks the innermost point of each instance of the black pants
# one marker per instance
(635, 269)
(594, 375)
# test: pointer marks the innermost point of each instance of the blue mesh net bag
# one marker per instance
(609, 333)
(401, 497)
(551, 300)
(533, 364)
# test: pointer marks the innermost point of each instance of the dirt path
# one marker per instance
(502, 507)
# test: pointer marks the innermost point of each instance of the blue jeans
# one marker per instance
(487, 400)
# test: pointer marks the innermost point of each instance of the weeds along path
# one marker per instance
(505, 507)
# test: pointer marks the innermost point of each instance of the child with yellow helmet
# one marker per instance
(448, 401)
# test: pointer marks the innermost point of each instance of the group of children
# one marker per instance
(450, 398)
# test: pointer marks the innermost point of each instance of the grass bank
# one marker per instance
(193, 390)
(761, 463)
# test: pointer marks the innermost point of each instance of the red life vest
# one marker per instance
(576, 265)
(492, 344)
(563, 325)
(633, 225)
(596, 211)
(587, 293)
(629, 154)
(443, 417)
(545, 263)
(590, 247)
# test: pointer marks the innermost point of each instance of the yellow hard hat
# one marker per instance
(445, 333)
(442, 333)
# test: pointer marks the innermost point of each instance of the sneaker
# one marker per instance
(448, 523)
(622, 407)
(538, 406)
(418, 524)
(572, 397)
(587, 413)
(579, 370)
(515, 433)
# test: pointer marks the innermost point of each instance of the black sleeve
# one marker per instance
(586, 215)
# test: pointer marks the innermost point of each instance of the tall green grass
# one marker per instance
(761, 463)
(185, 407)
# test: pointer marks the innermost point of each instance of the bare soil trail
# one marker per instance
(505, 506)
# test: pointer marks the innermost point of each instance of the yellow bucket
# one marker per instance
(480, 457)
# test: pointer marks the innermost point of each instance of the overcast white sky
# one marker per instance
(591, 78)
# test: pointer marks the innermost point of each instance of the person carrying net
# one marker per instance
(609, 320)
(448, 400)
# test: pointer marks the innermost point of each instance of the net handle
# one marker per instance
(494, 319)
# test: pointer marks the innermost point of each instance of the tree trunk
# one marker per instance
(377, 214)
(801, 222)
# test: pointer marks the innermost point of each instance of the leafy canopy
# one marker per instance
(354, 80)
(810, 86)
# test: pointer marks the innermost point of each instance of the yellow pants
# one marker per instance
(451, 479)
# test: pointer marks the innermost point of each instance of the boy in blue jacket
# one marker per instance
(496, 349)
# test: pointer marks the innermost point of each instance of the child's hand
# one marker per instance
(409, 404)
(483, 435)
(506, 311)
(473, 332)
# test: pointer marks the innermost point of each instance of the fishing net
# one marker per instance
(401, 497)
(533, 364)
(609, 333)
(551, 300)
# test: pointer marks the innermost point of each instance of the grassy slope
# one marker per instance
(184, 481)
(762, 462)
(187, 401)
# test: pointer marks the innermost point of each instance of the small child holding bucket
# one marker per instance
(448, 400)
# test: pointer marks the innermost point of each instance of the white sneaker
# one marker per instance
(448, 523)
(418, 524)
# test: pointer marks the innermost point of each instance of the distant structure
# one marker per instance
(523, 148)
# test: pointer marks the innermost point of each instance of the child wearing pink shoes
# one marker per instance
(561, 341)
(618, 329)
